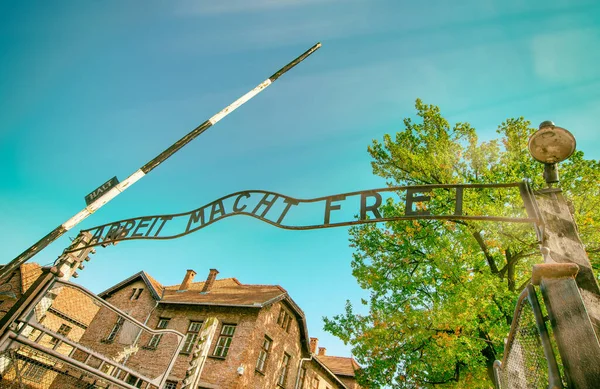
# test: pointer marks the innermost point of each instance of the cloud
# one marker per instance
(194, 7)
(566, 56)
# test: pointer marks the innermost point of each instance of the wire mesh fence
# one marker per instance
(528, 361)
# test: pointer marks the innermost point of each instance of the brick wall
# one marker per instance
(18, 283)
(149, 362)
(252, 324)
(217, 370)
(315, 370)
(282, 342)
(350, 382)
(238, 368)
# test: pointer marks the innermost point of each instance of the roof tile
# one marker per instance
(340, 365)
(224, 292)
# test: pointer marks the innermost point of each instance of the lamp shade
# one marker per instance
(551, 144)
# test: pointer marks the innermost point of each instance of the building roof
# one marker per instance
(156, 289)
(326, 368)
(226, 292)
(340, 365)
(29, 273)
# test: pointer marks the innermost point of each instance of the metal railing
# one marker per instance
(70, 338)
(529, 360)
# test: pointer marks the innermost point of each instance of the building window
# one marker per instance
(134, 381)
(135, 294)
(155, 339)
(285, 319)
(34, 372)
(115, 330)
(63, 330)
(284, 370)
(263, 355)
(171, 385)
(191, 337)
(315, 383)
(302, 378)
(222, 347)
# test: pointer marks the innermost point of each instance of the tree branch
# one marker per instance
(511, 264)
(490, 259)
(501, 309)
(455, 377)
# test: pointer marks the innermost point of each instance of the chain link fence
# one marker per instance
(529, 360)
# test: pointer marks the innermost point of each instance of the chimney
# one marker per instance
(187, 280)
(322, 351)
(313, 345)
(210, 280)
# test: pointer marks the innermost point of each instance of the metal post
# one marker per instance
(39, 286)
(570, 291)
(147, 168)
(561, 244)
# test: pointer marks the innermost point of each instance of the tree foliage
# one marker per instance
(442, 293)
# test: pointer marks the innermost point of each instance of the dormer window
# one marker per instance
(285, 319)
(135, 294)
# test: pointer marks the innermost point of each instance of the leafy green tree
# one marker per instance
(442, 293)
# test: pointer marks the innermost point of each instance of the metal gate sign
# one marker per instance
(343, 209)
(101, 190)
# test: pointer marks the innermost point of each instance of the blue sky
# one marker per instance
(93, 89)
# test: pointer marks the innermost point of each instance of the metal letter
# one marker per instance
(237, 200)
(126, 228)
(194, 217)
(411, 198)
(289, 203)
(373, 208)
(329, 207)
(141, 225)
(152, 226)
(459, 201)
(267, 203)
(216, 209)
(164, 219)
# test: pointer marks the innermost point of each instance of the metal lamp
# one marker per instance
(551, 145)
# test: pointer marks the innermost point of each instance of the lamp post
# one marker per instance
(551, 145)
(566, 279)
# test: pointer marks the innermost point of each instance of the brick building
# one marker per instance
(261, 340)
(259, 335)
(54, 312)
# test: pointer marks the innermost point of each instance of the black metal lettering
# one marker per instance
(97, 234)
(164, 219)
(331, 207)
(411, 199)
(195, 216)
(217, 207)
(113, 232)
(141, 225)
(237, 200)
(364, 208)
(151, 227)
(289, 203)
(126, 228)
(459, 201)
(267, 203)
